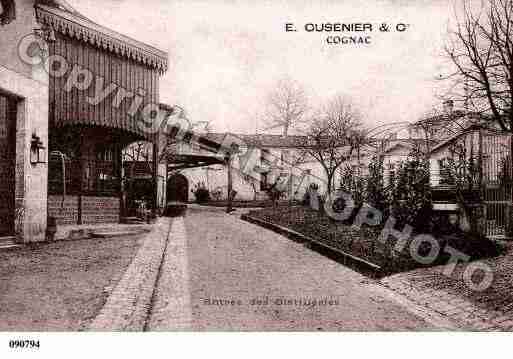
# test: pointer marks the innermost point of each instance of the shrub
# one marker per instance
(201, 193)
(353, 182)
(311, 190)
(217, 194)
(277, 190)
(410, 192)
(375, 190)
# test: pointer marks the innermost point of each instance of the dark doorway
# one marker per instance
(7, 164)
(177, 188)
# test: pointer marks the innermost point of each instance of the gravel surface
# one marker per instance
(63, 285)
(244, 277)
(497, 297)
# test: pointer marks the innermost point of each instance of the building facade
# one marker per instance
(73, 94)
(23, 112)
(261, 161)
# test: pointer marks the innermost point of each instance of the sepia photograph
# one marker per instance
(293, 166)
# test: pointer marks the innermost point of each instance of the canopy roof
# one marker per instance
(181, 161)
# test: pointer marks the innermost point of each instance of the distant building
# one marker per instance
(262, 160)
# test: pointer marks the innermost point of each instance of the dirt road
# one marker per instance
(238, 276)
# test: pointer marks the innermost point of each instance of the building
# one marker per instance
(475, 163)
(470, 169)
(260, 161)
(73, 94)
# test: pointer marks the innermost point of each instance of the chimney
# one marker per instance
(448, 106)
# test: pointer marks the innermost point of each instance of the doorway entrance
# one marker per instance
(7, 164)
(177, 188)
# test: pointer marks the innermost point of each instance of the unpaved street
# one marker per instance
(238, 276)
(61, 286)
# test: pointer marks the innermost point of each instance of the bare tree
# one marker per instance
(481, 49)
(334, 135)
(285, 105)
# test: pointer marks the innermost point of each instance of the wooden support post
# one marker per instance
(81, 180)
(230, 184)
(155, 175)
(119, 174)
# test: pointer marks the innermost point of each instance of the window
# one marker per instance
(391, 173)
(103, 172)
(264, 155)
(263, 181)
(104, 154)
(284, 156)
(446, 177)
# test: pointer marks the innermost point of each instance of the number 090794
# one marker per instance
(24, 344)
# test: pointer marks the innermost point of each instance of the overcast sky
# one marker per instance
(225, 55)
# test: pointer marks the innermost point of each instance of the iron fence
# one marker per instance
(71, 176)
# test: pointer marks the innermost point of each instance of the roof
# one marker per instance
(396, 145)
(262, 140)
(64, 19)
(442, 118)
(469, 129)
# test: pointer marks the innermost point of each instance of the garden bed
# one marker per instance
(363, 243)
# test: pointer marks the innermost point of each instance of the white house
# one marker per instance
(260, 162)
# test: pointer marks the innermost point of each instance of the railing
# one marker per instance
(88, 177)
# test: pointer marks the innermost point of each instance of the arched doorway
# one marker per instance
(177, 188)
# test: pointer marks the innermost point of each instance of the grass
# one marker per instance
(363, 242)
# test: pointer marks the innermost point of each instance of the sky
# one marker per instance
(225, 55)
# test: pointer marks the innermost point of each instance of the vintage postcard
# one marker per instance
(242, 166)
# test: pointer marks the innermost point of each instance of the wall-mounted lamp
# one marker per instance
(37, 151)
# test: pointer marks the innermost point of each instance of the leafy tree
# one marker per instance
(410, 192)
(463, 171)
(354, 183)
(375, 190)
